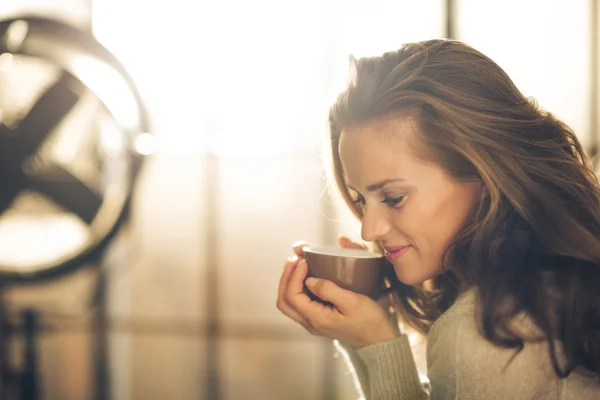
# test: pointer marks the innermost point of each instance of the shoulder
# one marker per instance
(461, 360)
(459, 318)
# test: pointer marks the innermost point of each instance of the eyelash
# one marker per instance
(393, 202)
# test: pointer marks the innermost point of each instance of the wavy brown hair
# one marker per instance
(533, 244)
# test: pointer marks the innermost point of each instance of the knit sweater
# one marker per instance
(463, 365)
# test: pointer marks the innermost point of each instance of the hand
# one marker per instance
(354, 318)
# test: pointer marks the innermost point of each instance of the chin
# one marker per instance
(411, 281)
(410, 277)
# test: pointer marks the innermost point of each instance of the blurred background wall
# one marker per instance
(238, 94)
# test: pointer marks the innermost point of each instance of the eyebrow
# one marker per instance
(376, 186)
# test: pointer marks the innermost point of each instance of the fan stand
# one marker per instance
(28, 378)
(24, 383)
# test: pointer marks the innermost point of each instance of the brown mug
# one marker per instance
(353, 269)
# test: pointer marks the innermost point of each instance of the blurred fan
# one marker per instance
(70, 119)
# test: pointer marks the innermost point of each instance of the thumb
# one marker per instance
(344, 300)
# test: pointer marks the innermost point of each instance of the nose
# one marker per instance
(375, 223)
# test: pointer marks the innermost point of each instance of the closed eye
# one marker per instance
(394, 201)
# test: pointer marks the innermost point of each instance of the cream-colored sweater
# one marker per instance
(462, 365)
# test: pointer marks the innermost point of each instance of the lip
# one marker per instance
(394, 248)
(393, 253)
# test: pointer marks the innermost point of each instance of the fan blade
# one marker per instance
(67, 191)
(49, 110)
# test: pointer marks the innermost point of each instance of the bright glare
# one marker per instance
(6, 60)
(348, 364)
(145, 144)
(110, 87)
(373, 27)
(51, 236)
(250, 78)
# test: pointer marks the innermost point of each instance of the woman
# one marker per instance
(489, 212)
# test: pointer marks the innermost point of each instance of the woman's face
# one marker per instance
(413, 208)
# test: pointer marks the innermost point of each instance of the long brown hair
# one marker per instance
(533, 244)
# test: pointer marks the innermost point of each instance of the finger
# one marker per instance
(290, 264)
(292, 314)
(346, 243)
(312, 312)
(296, 300)
(295, 285)
(295, 295)
(282, 304)
(298, 248)
(344, 300)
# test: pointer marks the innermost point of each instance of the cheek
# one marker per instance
(436, 222)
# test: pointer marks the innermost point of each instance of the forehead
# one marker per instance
(382, 147)
(402, 130)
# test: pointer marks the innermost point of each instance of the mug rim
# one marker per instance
(330, 251)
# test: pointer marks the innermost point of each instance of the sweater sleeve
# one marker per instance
(386, 370)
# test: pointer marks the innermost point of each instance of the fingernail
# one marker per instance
(298, 243)
(311, 282)
(293, 258)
